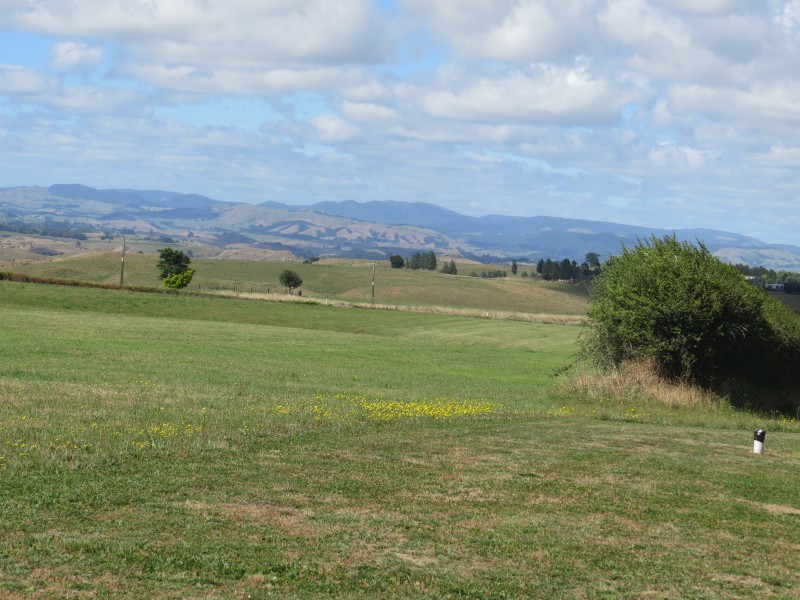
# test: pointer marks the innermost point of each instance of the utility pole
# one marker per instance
(122, 265)
(373, 282)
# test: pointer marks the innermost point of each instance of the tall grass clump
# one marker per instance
(695, 320)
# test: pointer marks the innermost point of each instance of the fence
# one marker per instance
(244, 288)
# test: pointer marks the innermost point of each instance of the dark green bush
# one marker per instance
(694, 317)
(290, 279)
(171, 262)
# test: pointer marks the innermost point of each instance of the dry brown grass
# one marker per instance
(637, 380)
(498, 315)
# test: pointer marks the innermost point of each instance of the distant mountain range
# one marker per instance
(352, 229)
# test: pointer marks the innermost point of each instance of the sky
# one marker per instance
(670, 113)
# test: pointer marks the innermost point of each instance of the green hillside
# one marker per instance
(348, 280)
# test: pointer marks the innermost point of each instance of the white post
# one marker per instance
(122, 265)
(373, 282)
(758, 440)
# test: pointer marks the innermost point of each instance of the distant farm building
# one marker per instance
(774, 287)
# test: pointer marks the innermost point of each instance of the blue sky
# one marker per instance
(670, 113)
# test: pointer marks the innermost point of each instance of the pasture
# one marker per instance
(190, 446)
(336, 279)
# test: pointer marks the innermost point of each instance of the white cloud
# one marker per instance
(771, 107)
(703, 7)
(334, 129)
(19, 80)
(668, 158)
(216, 32)
(736, 38)
(76, 56)
(787, 14)
(514, 30)
(779, 157)
(545, 93)
(239, 82)
(637, 23)
(369, 112)
(94, 99)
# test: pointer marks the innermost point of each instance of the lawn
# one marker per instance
(172, 447)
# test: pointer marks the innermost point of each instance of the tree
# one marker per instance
(449, 268)
(179, 280)
(593, 260)
(426, 260)
(514, 267)
(565, 269)
(397, 261)
(550, 270)
(290, 279)
(695, 318)
(172, 263)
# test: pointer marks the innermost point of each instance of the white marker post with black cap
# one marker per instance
(758, 440)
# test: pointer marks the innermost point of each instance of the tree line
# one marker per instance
(419, 260)
(47, 229)
(763, 276)
(569, 270)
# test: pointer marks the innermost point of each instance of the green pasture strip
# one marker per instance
(349, 281)
(514, 507)
(254, 312)
(110, 372)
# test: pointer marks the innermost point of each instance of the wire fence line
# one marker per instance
(246, 288)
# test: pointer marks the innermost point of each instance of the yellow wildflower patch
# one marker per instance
(564, 411)
(22, 438)
(346, 408)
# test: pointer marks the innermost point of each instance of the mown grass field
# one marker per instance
(183, 446)
(349, 280)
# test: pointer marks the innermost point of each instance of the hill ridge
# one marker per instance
(348, 228)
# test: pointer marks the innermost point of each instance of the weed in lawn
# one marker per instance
(349, 408)
(26, 440)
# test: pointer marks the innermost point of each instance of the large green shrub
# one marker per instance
(173, 268)
(697, 319)
(171, 262)
(179, 280)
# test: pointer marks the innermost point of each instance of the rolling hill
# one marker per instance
(351, 229)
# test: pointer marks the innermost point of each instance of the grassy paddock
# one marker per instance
(336, 279)
(173, 447)
(221, 365)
